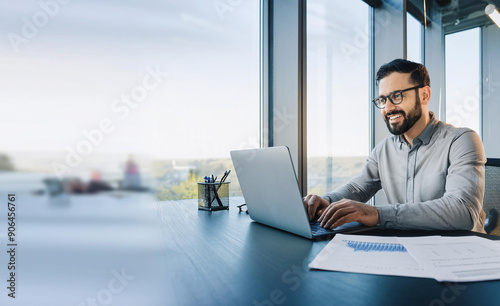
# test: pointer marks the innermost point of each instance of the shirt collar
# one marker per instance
(426, 135)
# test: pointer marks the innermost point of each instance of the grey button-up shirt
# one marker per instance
(438, 183)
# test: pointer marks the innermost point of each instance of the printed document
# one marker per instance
(367, 254)
(454, 259)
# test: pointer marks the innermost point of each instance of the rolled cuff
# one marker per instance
(387, 216)
(327, 198)
(332, 197)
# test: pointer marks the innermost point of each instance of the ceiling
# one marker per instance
(459, 15)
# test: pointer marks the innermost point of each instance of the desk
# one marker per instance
(85, 250)
(128, 249)
(223, 258)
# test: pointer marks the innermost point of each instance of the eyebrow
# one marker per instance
(380, 96)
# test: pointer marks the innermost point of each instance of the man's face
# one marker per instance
(400, 118)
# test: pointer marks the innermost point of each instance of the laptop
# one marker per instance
(271, 191)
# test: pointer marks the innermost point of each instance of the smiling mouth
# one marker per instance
(393, 117)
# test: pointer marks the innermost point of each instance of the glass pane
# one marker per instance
(463, 79)
(413, 39)
(106, 107)
(337, 92)
(143, 95)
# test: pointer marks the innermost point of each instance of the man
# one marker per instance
(431, 172)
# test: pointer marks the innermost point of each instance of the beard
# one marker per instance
(408, 119)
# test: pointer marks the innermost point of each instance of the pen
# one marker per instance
(222, 180)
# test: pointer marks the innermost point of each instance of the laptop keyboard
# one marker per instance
(318, 230)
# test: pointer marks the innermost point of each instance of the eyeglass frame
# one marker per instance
(396, 91)
(240, 207)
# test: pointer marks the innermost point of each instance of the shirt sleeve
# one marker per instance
(362, 186)
(460, 208)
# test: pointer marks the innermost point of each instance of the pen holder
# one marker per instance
(213, 196)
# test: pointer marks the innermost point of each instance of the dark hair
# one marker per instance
(419, 74)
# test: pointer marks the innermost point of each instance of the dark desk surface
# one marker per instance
(224, 258)
(128, 249)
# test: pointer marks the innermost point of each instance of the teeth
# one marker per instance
(394, 117)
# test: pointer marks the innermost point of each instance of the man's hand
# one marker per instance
(315, 206)
(345, 211)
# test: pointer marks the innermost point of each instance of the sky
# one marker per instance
(66, 68)
(62, 76)
(463, 79)
(73, 77)
(337, 79)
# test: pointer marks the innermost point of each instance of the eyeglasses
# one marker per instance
(396, 97)
(240, 207)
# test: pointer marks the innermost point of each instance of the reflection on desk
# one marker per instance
(223, 258)
(132, 250)
(101, 249)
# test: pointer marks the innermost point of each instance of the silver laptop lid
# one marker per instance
(269, 185)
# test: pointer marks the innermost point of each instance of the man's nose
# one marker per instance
(389, 106)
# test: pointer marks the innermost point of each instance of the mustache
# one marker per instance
(395, 113)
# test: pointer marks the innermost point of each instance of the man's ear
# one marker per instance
(426, 95)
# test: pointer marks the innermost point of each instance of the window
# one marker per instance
(463, 79)
(413, 38)
(337, 92)
(171, 85)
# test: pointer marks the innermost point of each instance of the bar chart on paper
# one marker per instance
(367, 254)
(452, 259)
(375, 246)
